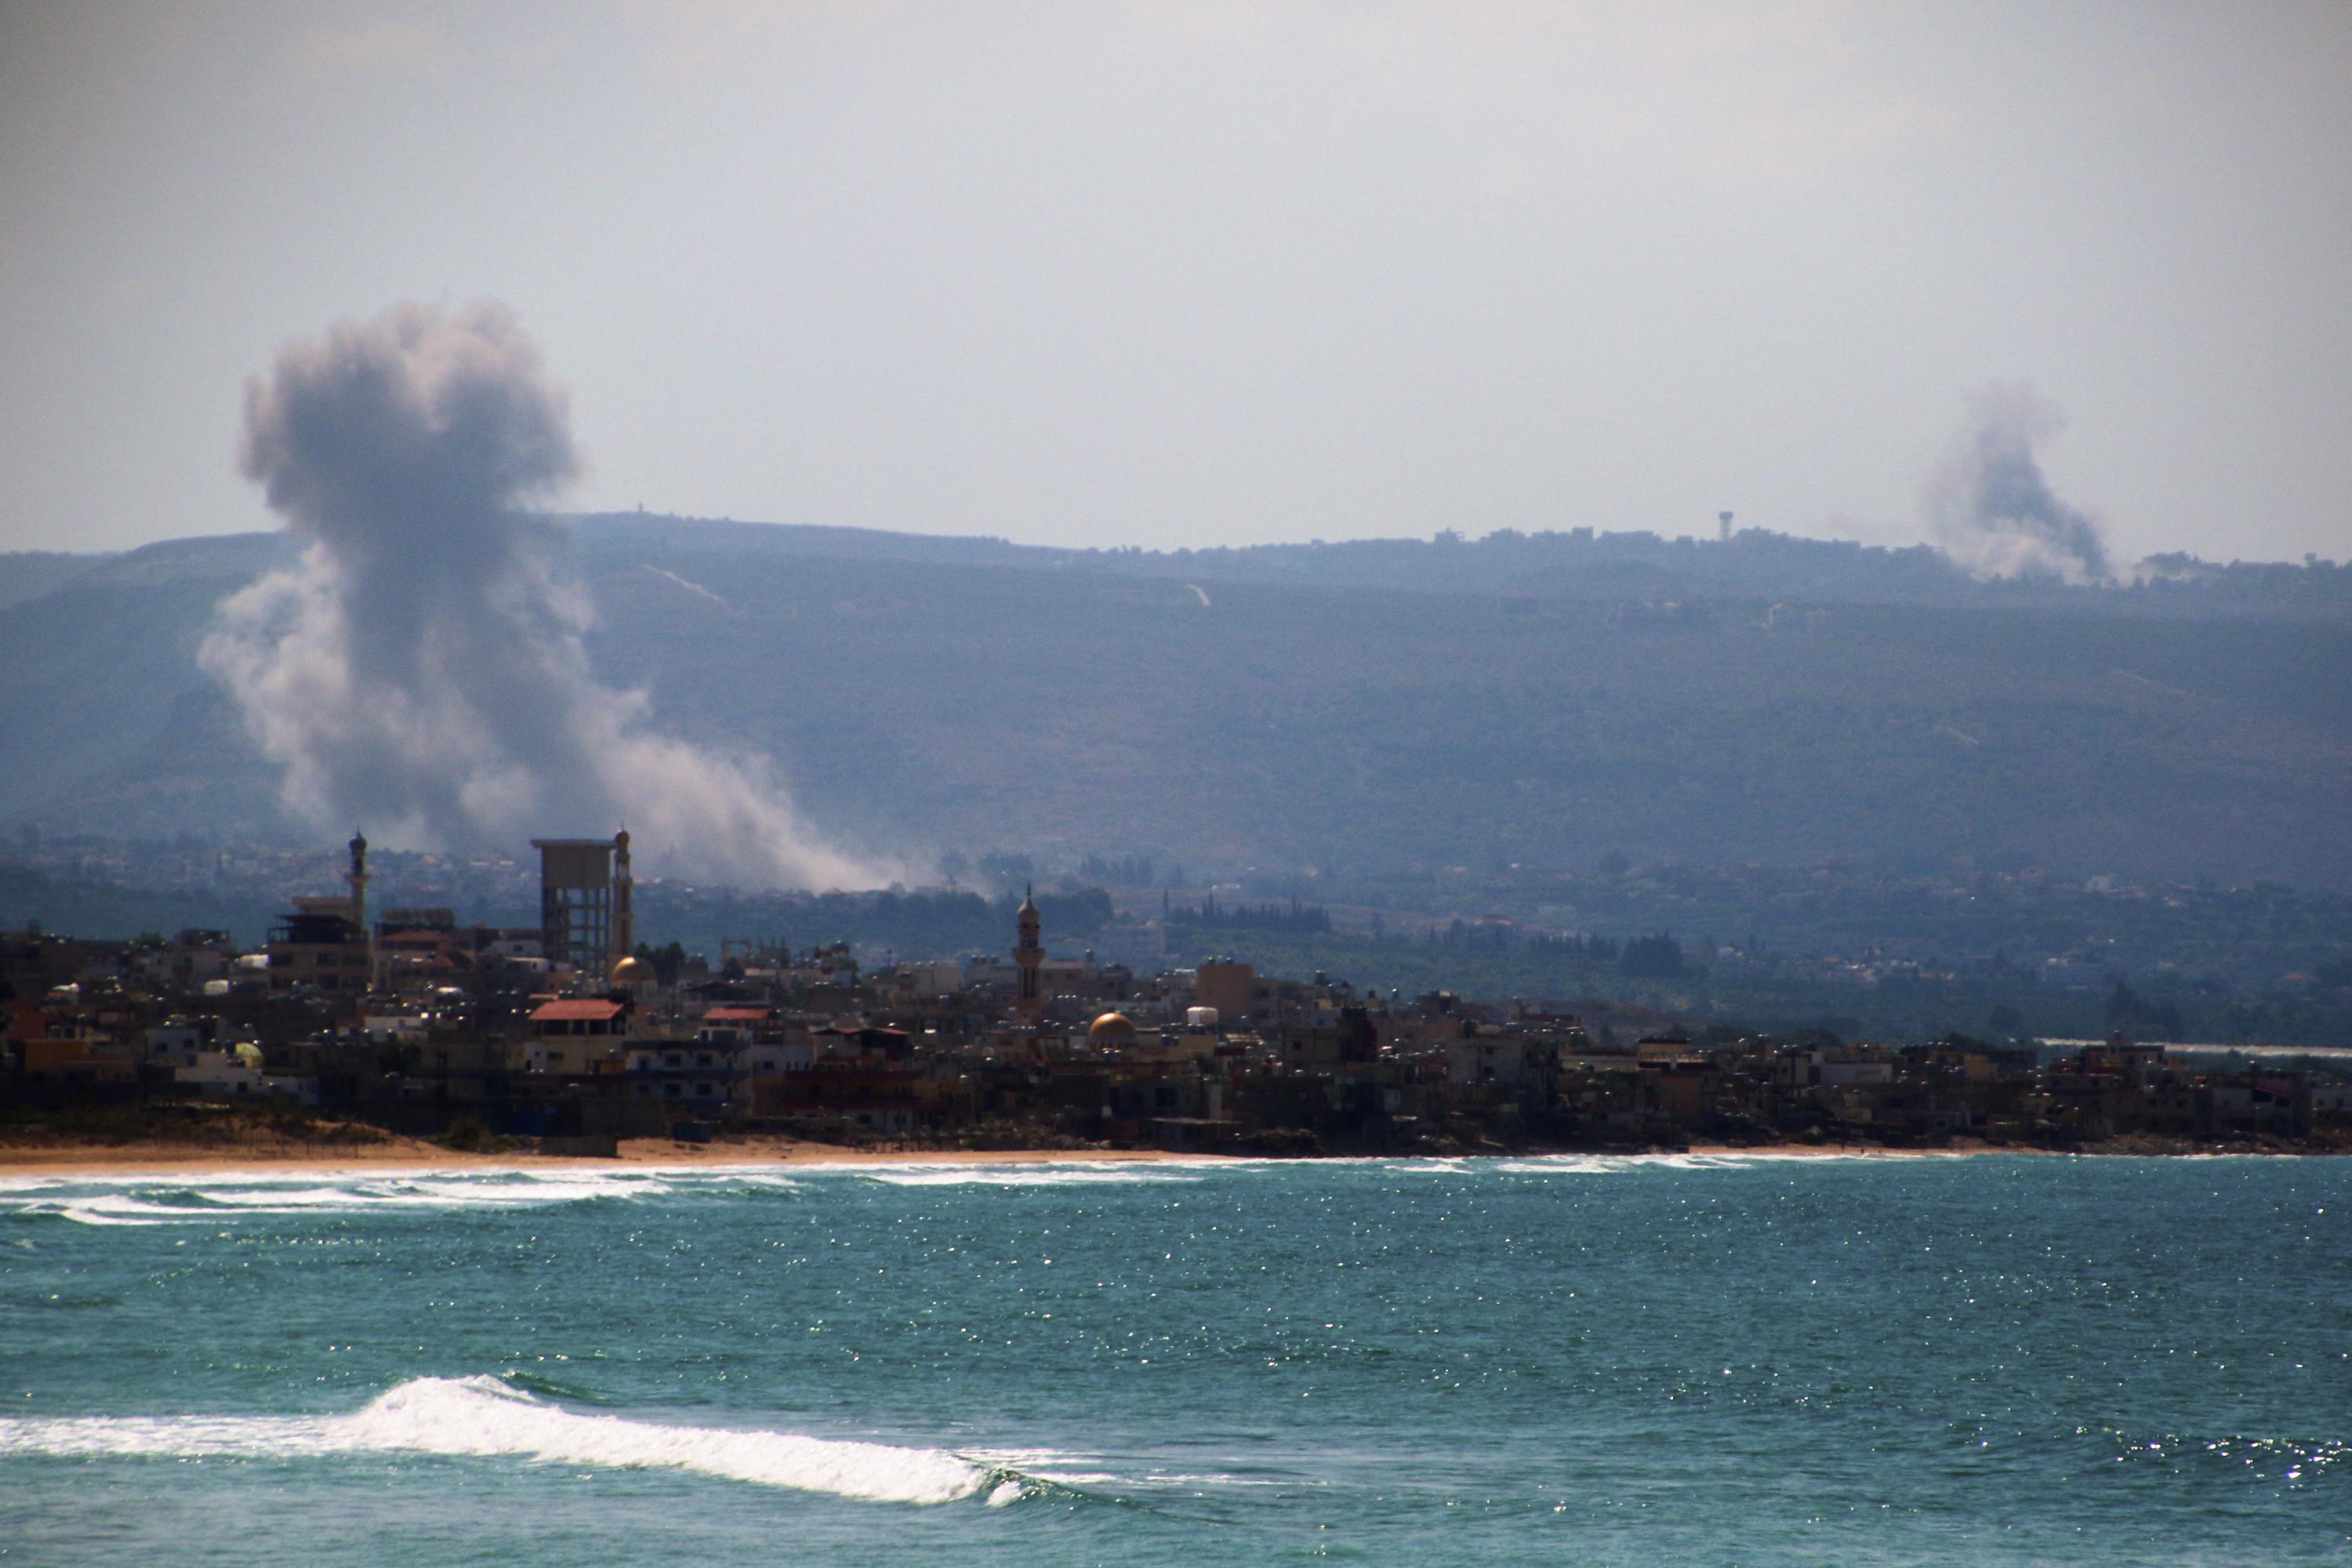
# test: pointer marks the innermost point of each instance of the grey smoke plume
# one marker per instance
(421, 671)
(1992, 510)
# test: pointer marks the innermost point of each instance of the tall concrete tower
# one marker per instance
(575, 902)
(1723, 524)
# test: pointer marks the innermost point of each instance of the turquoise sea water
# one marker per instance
(1748, 1360)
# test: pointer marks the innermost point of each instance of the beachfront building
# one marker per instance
(577, 1036)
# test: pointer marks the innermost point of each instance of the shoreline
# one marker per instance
(416, 1155)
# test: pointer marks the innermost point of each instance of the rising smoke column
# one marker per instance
(421, 671)
(1992, 510)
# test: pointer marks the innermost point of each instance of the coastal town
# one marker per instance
(571, 1037)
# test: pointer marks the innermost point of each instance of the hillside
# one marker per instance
(1545, 700)
(29, 574)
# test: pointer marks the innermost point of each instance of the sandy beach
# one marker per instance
(416, 1154)
(393, 1152)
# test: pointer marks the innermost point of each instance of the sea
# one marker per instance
(1749, 1359)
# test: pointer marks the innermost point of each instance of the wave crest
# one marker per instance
(485, 1418)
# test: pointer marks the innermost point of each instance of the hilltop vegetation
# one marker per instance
(29, 574)
(1543, 701)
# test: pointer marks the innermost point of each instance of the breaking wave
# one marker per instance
(1039, 1174)
(152, 1199)
(1740, 1160)
(485, 1418)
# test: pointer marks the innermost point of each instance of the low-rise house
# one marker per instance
(570, 1035)
(700, 1071)
(239, 1072)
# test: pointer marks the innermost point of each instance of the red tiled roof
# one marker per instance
(583, 1009)
(728, 1014)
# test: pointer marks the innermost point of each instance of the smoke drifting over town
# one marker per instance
(423, 671)
(1991, 507)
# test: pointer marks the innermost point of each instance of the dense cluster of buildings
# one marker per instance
(571, 1033)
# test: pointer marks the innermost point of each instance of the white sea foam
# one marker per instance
(763, 1177)
(151, 1198)
(1721, 1160)
(98, 1211)
(1756, 1159)
(515, 1177)
(1434, 1166)
(155, 1198)
(255, 1176)
(1090, 1471)
(480, 1416)
(1105, 1173)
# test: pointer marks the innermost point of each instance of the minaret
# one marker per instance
(624, 933)
(358, 879)
(1029, 954)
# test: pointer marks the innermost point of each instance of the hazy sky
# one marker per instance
(1203, 273)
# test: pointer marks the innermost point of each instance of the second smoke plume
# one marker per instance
(1993, 509)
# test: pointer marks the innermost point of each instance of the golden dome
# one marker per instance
(633, 971)
(1111, 1026)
